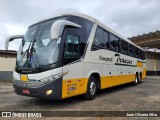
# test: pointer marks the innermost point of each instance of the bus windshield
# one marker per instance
(37, 49)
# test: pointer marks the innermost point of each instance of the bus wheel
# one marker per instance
(91, 88)
(136, 80)
(140, 79)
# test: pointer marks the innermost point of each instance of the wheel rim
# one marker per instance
(136, 80)
(92, 88)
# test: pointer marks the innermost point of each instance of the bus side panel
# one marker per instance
(110, 81)
(119, 74)
(72, 80)
(72, 87)
(89, 69)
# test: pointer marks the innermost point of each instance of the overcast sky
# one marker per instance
(127, 17)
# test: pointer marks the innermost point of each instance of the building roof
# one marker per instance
(151, 40)
(8, 52)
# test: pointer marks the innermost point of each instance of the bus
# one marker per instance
(74, 54)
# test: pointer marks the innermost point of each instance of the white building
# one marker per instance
(7, 64)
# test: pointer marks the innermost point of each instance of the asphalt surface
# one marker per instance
(143, 97)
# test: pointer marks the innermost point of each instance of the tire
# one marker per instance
(91, 89)
(140, 79)
(136, 80)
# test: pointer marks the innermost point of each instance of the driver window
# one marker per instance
(72, 48)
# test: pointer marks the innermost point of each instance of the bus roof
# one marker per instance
(94, 20)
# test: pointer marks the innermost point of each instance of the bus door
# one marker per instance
(72, 66)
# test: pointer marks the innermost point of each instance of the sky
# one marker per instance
(127, 17)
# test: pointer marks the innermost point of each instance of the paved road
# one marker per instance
(145, 96)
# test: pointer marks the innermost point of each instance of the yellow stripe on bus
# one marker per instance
(77, 86)
(139, 64)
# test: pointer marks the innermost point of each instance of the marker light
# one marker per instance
(48, 92)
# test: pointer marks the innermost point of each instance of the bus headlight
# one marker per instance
(48, 92)
(51, 78)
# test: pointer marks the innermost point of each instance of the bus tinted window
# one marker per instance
(71, 47)
(114, 43)
(98, 39)
(137, 52)
(83, 33)
(106, 39)
(98, 42)
(143, 55)
(124, 47)
(131, 50)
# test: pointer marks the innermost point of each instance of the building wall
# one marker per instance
(152, 63)
(7, 65)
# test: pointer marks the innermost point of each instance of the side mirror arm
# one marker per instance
(57, 28)
(12, 38)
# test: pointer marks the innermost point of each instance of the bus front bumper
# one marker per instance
(51, 91)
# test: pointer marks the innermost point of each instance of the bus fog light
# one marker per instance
(48, 92)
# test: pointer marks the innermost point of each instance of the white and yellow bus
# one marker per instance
(73, 54)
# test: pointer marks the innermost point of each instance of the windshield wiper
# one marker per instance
(34, 56)
(27, 51)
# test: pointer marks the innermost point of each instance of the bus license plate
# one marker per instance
(26, 91)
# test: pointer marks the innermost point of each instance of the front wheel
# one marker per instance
(91, 88)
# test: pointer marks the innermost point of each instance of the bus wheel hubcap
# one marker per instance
(136, 79)
(92, 88)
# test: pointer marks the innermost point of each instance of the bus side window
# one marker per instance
(98, 42)
(131, 50)
(114, 43)
(106, 39)
(137, 52)
(143, 55)
(72, 49)
(124, 47)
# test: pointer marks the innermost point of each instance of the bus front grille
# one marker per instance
(30, 84)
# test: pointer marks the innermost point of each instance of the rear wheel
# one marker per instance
(136, 80)
(140, 79)
(91, 88)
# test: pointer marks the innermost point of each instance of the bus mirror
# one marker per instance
(12, 38)
(57, 28)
